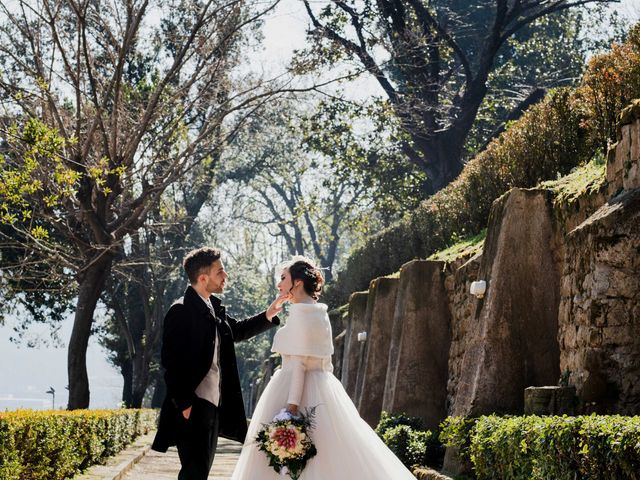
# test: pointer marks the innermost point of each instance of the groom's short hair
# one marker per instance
(199, 261)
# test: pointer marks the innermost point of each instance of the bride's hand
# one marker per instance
(276, 306)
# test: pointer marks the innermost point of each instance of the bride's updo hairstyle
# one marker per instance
(301, 268)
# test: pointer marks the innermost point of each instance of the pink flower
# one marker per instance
(285, 437)
(287, 444)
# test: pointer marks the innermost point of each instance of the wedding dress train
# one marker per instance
(348, 448)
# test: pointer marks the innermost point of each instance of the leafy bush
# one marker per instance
(456, 432)
(391, 420)
(564, 131)
(610, 82)
(408, 440)
(54, 445)
(562, 448)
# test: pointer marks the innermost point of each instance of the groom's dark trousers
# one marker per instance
(187, 353)
(197, 441)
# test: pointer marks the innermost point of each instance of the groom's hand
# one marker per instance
(186, 413)
(276, 306)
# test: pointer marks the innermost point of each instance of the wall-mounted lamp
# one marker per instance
(478, 288)
(362, 336)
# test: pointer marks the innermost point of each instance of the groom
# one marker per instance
(203, 389)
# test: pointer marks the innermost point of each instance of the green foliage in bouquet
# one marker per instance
(55, 445)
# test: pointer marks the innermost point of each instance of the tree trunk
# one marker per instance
(442, 160)
(159, 390)
(91, 287)
(140, 376)
(449, 157)
(439, 154)
(127, 388)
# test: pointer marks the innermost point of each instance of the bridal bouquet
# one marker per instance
(287, 443)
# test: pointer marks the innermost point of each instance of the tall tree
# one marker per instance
(433, 59)
(361, 143)
(137, 93)
(291, 191)
(148, 276)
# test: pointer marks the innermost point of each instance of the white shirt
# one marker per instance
(209, 388)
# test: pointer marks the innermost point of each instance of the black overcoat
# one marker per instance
(187, 352)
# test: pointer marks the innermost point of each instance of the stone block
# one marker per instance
(514, 341)
(631, 178)
(338, 353)
(455, 466)
(416, 381)
(618, 314)
(601, 258)
(352, 355)
(570, 336)
(380, 310)
(623, 148)
(618, 335)
(550, 400)
(634, 142)
(618, 156)
(583, 335)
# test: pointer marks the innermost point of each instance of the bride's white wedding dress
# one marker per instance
(348, 449)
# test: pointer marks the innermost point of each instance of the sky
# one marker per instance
(27, 373)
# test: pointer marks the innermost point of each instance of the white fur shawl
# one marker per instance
(307, 332)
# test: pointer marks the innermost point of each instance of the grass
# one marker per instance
(584, 180)
(466, 247)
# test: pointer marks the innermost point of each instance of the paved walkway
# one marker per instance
(139, 462)
(165, 466)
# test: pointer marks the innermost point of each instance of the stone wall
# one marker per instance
(353, 350)
(562, 303)
(600, 311)
(459, 275)
(416, 377)
(380, 310)
(623, 167)
(563, 283)
(339, 320)
(599, 314)
(511, 343)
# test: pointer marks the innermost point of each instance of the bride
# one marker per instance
(347, 447)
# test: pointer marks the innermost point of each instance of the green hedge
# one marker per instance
(54, 445)
(559, 448)
(411, 443)
(564, 131)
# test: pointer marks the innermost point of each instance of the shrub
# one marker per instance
(406, 438)
(610, 82)
(564, 131)
(562, 448)
(54, 445)
(391, 420)
(456, 432)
